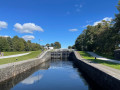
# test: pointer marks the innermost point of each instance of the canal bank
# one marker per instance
(10, 70)
(106, 77)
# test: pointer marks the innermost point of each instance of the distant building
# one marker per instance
(46, 47)
(51, 47)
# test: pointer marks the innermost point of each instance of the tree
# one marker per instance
(17, 44)
(96, 38)
(52, 45)
(116, 27)
(4, 45)
(69, 47)
(57, 45)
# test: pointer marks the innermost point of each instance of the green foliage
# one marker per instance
(103, 38)
(17, 44)
(56, 45)
(69, 47)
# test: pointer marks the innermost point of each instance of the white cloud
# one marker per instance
(27, 28)
(32, 79)
(73, 30)
(106, 19)
(3, 24)
(84, 26)
(89, 21)
(78, 7)
(28, 37)
(4, 36)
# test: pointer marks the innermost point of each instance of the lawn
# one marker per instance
(13, 53)
(33, 54)
(107, 63)
(106, 56)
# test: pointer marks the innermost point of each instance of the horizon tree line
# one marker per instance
(17, 44)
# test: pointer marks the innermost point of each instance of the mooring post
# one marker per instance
(95, 58)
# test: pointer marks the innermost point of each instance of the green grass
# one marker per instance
(90, 58)
(33, 54)
(104, 55)
(13, 53)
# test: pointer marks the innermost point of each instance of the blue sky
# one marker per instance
(52, 20)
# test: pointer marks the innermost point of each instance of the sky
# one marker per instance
(47, 21)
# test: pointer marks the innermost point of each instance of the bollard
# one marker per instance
(95, 58)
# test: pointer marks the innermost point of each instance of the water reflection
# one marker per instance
(8, 84)
(32, 79)
(51, 75)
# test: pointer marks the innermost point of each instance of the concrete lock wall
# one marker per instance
(101, 78)
(13, 69)
(104, 80)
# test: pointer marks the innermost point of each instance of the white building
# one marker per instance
(51, 47)
(46, 47)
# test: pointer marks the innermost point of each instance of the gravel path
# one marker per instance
(102, 58)
(17, 55)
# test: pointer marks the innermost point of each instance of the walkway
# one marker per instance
(102, 58)
(111, 71)
(17, 55)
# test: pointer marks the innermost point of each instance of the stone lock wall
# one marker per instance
(107, 82)
(13, 69)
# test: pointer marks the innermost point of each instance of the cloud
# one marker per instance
(28, 37)
(27, 28)
(89, 21)
(73, 30)
(106, 19)
(3, 24)
(32, 79)
(78, 7)
(84, 26)
(4, 36)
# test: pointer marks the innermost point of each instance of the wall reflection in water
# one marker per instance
(8, 84)
(51, 75)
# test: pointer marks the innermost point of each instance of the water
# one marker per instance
(51, 75)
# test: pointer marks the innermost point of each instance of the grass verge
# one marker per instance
(13, 53)
(104, 55)
(87, 56)
(33, 54)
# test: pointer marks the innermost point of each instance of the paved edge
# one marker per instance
(110, 71)
(103, 58)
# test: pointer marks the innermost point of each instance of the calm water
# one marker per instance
(51, 75)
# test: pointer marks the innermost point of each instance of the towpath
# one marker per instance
(16, 55)
(103, 58)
